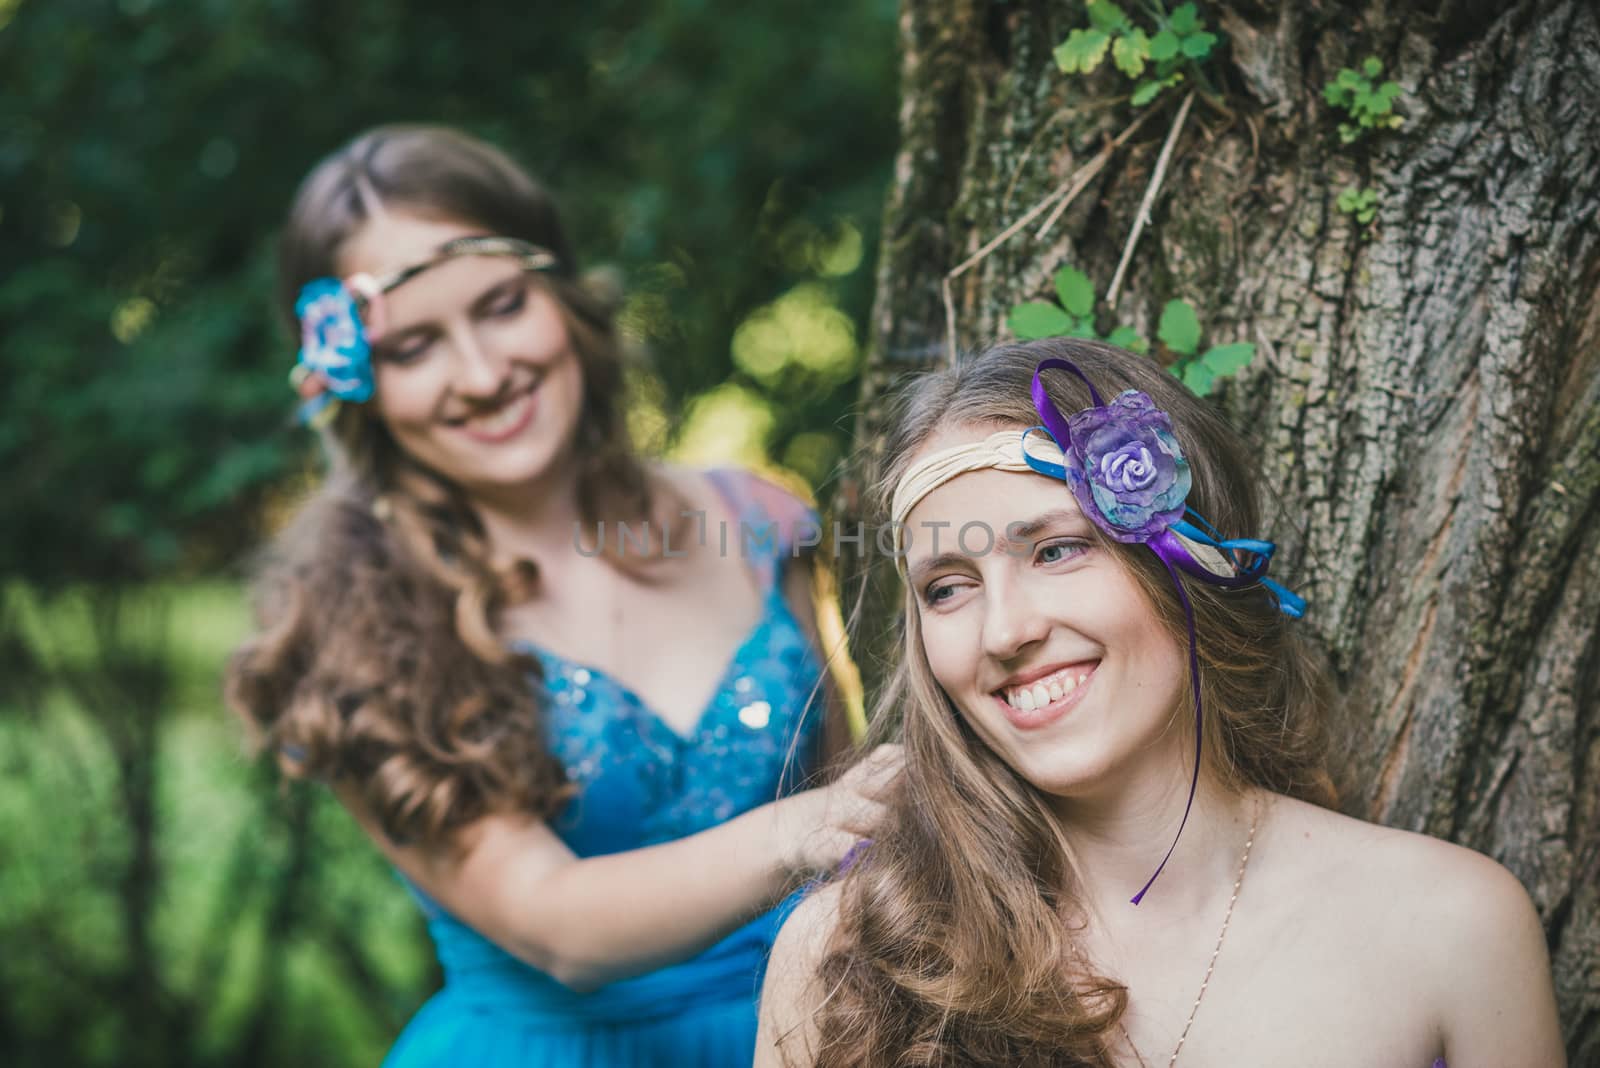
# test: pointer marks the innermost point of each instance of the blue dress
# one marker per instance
(641, 783)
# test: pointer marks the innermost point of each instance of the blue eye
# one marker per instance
(1056, 552)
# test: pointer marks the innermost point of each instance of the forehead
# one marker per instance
(389, 241)
(988, 496)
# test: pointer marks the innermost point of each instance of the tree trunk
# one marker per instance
(1425, 397)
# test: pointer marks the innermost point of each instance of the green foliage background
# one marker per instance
(161, 900)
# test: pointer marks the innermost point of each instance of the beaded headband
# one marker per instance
(1127, 471)
(339, 319)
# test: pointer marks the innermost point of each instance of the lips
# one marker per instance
(1045, 698)
(504, 422)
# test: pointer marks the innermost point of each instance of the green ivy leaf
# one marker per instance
(1229, 359)
(1198, 377)
(1180, 327)
(1185, 20)
(1037, 319)
(1084, 327)
(1076, 291)
(1082, 51)
(1164, 45)
(1198, 46)
(1145, 92)
(1126, 337)
(1372, 66)
(1129, 53)
(1104, 15)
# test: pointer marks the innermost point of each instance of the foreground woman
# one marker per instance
(1114, 843)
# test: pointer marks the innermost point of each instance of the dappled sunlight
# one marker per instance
(726, 424)
(648, 425)
(804, 330)
(807, 248)
(130, 318)
(814, 454)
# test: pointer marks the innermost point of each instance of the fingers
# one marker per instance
(851, 808)
(866, 790)
(863, 820)
(877, 771)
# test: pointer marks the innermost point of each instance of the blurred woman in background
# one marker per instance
(581, 750)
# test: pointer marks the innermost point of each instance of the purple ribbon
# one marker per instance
(1173, 555)
(852, 855)
(1169, 549)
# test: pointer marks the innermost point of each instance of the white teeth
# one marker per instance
(1041, 693)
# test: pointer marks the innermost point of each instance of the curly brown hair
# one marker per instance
(954, 944)
(377, 657)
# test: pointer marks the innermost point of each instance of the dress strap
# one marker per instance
(774, 525)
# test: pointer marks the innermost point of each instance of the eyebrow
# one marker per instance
(1026, 531)
(496, 291)
(919, 574)
(482, 300)
(1020, 533)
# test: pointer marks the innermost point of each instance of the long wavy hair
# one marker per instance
(377, 658)
(954, 944)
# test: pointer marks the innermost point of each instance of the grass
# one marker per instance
(221, 846)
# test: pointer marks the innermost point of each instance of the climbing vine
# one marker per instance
(1156, 55)
(1367, 106)
(1157, 50)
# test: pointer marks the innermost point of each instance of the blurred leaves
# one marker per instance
(148, 151)
(158, 903)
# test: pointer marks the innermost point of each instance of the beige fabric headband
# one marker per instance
(1000, 451)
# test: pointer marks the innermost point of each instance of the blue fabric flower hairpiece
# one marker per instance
(335, 361)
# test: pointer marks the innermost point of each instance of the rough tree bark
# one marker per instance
(1426, 393)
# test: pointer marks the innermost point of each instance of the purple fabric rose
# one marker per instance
(1126, 468)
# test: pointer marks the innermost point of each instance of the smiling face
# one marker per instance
(1045, 643)
(476, 374)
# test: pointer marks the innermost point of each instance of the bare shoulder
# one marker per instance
(1426, 887)
(792, 994)
(805, 936)
(1456, 923)
(689, 484)
(1461, 887)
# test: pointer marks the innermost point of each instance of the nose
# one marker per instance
(480, 372)
(1013, 619)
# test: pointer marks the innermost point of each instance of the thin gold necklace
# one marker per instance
(1244, 862)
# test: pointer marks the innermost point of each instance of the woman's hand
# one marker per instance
(816, 828)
